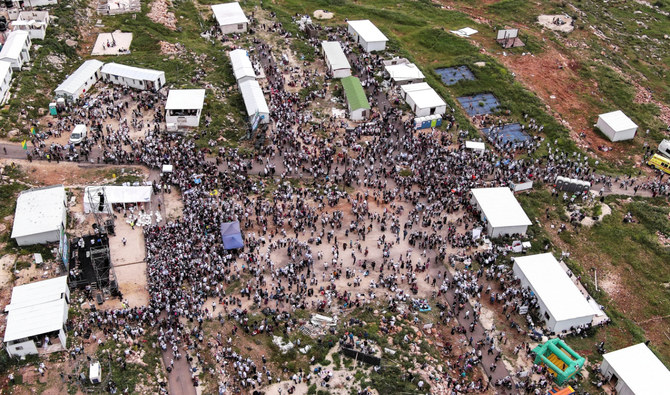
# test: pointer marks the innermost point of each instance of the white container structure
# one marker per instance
(230, 17)
(367, 35)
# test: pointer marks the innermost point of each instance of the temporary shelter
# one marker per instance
(254, 101)
(336, 60)
(80, 81)
(242, 67)
(475, 146)
(40, 216)
(359, 108)
(367, 35)
(501, 211)
(231, 235)
(133, 77)
(561, 303)
(406, 73)
(114, 194)
(183, 106)
(424, 100)
(37, 310)
(34, 22)
(16, 49)
(406, 89)
(5, 80)
(635, 370)
(616, 126)
(230, 17)
(561, 361)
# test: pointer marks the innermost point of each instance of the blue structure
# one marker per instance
(479, 104)
(508, 133)
(451, 75)
(231, 235)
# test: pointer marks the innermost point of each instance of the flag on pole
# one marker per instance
(24, 144)
(33, 129)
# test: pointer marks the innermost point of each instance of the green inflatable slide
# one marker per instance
(559, 358)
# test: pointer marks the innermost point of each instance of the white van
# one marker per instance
(78, 134)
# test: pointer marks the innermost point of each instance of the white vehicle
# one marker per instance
(664, 148)
(78, 134)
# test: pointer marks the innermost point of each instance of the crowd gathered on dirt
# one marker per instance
(364, 215)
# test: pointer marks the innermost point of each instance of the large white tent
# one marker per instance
(562, 304)
(77, 83)
(254, 100)
(40, 216)
(404, 73)
(616, 126)
(230, 17)
(36, 310)
(636, 371)
(336, 59)
(184, 106)
(241, 64)
(133, 77)
(115, 194)
(367, 35)
(501, 211)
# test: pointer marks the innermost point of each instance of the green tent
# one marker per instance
(355, 94)
(559, 358)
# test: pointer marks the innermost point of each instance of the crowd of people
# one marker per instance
(360, 214)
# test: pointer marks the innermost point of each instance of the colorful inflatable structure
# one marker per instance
(559, 358)
(564, 391)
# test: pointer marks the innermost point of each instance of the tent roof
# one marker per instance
(185, 99)
(242, 67)
(231, 235)
(355, 93)
(618, 121)
(420, 86)
(335, 55)
(14, 44)
(426, 98)
(80, 76)
(368, 31)
(120, 193)
(500, 207)
(254, 100)
(39, 210)
(640, 369)
(37, 293)
(475, 145)
(553, 286)
(405, 71)
(35, 320)
(131, 72)
(229, 14)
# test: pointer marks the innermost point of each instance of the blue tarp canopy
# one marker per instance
(231, 235)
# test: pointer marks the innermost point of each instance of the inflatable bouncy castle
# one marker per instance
(561, 361)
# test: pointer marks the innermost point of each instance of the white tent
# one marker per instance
(77, 83)
(562, 305)
(242, 67)
(254, 101)
(133, 77)
(616, 126)
(501, 211)
(425, 101)
(40, 216)
(5, 80)
(635, 371)
(16, 49)
(230, 17)
(336, 59)
(404, 73)
(183, 106)
(115, 194)
(367, 35)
